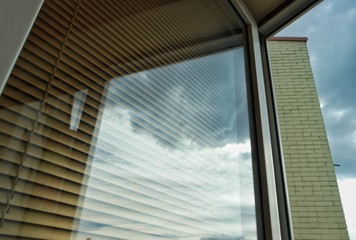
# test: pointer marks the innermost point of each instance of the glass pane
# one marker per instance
(173, 154)
(128, 120)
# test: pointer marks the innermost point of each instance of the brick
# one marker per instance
(313, 192)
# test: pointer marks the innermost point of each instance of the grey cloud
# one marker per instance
(145, 168)
(330, 28)
(187, 101)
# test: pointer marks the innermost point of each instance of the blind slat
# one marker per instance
(98, 117)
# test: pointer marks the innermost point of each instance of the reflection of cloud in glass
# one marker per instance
(169, 160)
(190, 101)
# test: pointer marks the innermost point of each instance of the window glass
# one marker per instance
(128, 120)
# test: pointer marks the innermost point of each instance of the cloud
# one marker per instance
(332, 49)
(337, 115)
(325, 9)
(168, 166)
(223, 203)
(347, 189)
(196, 102)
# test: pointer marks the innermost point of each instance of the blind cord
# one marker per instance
(6, 209)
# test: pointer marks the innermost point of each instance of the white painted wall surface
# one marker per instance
(16, 20)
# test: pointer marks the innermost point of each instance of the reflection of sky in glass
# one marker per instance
(172, 158)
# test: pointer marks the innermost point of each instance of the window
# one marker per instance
(172, 155)
(128, 120)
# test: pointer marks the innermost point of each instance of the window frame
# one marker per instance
(272, 205)
(275, 222)
(268, 222)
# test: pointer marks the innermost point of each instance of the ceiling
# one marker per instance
(272, 15)
(260, 9)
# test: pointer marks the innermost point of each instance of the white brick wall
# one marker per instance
(314, 196)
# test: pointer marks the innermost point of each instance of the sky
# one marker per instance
(331, 31)
(163, 167)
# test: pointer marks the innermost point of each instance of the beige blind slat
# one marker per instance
(59, 177)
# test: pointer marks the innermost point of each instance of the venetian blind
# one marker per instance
(80, 57)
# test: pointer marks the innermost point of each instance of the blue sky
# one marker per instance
(331, 30)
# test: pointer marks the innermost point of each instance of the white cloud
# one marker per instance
(351, 13)
(347, 189)
(326, 9)
(314, 60)
(225, 171)
(323, 102)
(337, 114)
(189, 191)
(353, 137)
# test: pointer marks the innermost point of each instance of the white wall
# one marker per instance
(16, 19)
